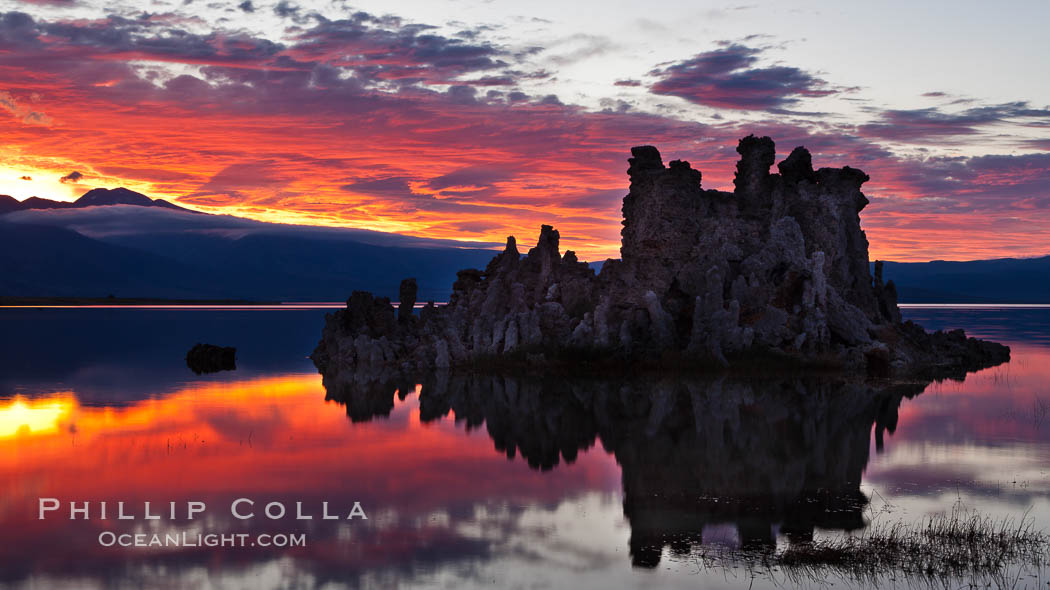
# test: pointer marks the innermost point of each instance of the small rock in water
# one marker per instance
(209, 358)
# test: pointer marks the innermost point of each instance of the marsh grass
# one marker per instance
(958, 549)
(1036, 414)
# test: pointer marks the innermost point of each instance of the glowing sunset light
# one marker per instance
(325, 116)
(21, 417)
(221, 437)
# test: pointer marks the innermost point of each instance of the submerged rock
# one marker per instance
(775, 271)
(208, 358)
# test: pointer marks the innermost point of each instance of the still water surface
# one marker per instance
(482, 481)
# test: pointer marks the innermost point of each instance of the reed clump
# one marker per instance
(953, 546)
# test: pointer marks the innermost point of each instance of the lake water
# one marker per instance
(477, 481)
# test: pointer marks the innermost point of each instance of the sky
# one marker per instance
(474, 120)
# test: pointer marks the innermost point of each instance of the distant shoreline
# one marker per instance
(89, 302)
(12, 301)
(160, 303)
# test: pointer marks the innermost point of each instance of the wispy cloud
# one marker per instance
(21, 112)
(933, 124)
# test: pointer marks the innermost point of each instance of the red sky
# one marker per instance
(382, 123)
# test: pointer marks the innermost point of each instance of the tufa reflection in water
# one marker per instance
(766, 455)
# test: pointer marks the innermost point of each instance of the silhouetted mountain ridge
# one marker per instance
(133, 251)
(1001, 280)
(93, 198)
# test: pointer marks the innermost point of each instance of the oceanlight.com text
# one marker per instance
(184, 539)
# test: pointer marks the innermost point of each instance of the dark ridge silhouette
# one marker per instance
(50, 261)
(136, 251)
(93, 198)
(39, 203)
(1002, 280)
(121, 196)
(117, 196)
(9, 204)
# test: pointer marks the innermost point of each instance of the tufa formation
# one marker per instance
(775, 272)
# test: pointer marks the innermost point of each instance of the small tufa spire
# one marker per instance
(644, 157)
(683, 171)
(548, 241)
(757, 154)
(407, 296)
(798, 166)
(507, 259)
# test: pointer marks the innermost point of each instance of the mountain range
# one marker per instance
(92, 198)
(123, 243)
(1002, 280)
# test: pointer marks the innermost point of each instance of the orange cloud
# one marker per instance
(392, 140)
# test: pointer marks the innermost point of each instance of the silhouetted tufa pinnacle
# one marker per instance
(777, 269)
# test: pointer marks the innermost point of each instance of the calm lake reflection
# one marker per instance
(478, 481)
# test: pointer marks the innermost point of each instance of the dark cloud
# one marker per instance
(472, 226)
(627, 83)
(343, 58)
(933, 124)
(156, 175)
(246, 6)
(405, 199)
(394, 186)
(461, 94)
(610, 105)
(988, 185)
(48, 45)
(609, 200)
(73, 176)
(472, 176)
(726, 78)
(529, 75)
(25, 178)
(285, 9)
(236, 180)
(17, 28)
(387, 49)
(492, 81)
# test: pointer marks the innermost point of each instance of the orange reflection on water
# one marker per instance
(267, 436)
